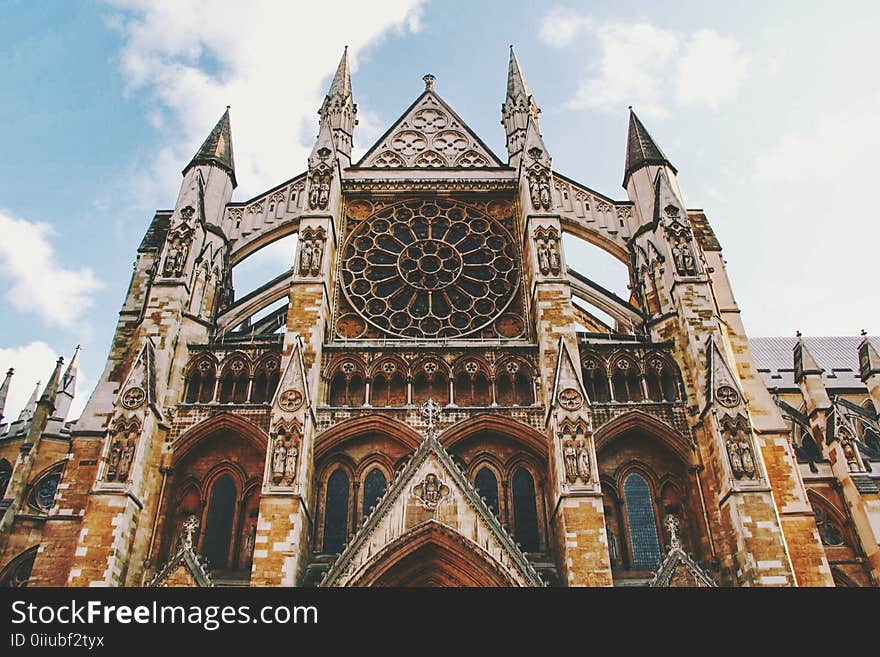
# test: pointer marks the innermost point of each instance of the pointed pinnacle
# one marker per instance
(804, 363)
(217, 148)
(51, 388)
(641, 149)
(516, 81)
(341, 85)
(4, 391)
(70, 373)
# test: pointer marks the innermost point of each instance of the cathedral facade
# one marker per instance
(425, 398)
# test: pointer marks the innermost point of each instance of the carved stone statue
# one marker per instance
(849, 451)
(317, 252)
(305, 258)
(583, 462)
(543, 258)
(570, 458)
(748, 461)
(685, 264)
(125, 460)
(113, 460)
(535, 191)
(175, 259)
(736, 463)
(279, 456)
(545, 193)
(290, 464)
(555, 262)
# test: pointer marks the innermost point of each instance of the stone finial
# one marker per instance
(429, 82)
(190, 527)
(672, 524)
(431, 410)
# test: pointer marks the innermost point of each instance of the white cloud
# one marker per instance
(710, 70)
(633, 70)
(270, 61)
(38, 283)
(561, 25)
(34, 362)
(647, 66)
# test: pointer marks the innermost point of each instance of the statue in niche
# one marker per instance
(555, 261)
(319, 192)
(290, 463)
(545, 192)
(733, 454)
(535, 191)
(305, 257)
(317, 252)
(175, 259)
(570, 458)
(583, 462)
(543, 257)
(279, 457)
(685, 264)
(125, 459)
(747, 460)
(113, 460)
(850, 452)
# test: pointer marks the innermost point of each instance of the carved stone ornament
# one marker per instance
(727, 396)
(290, 399)
(742, 461)
(285, 454)
(583, 462)
(431, 490)
(547, 247)
(319, 188)
(683, 256)
(570, 399)
(189, 530)
(121, 452)
(134, 397)
(539, 188)
(177, 254)
(311, 252)
(570, 459)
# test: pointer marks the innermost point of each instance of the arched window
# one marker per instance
(336, 512)
(513, 385)
(872, 440)
(42, 494)
(234, 383)
(218, 524)
(18, 571)
(642, 522)
(265, 382)
(388, 387)
(5, 476)
(596, 381)
(472, 386)
(431, 382)
(200, 383)
(374, 488)
(525, 511)
(347, 386)
(487, 487)
(830, 531)
(626, 381)
(809, 451)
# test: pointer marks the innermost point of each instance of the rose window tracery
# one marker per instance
(433, 269)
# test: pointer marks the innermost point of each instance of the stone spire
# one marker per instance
(28, 411)
(804, 363)
(869, 359)
(338, 111)
(641, 149)
(67, 387)
(217, 149)
(51, 390)
(519, 108)
(4, 391)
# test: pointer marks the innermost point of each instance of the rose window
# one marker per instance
(429, 269)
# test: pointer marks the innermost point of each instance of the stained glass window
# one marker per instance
(642, 523)
(218, 528)
(525, 512)
(487, 486)
(374, 489)
(336, 512)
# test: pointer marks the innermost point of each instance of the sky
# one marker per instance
(766, 109)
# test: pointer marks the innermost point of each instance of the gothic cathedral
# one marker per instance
(426, 399)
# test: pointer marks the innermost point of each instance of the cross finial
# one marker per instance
(190, 526)
(864, 333)
(429, 82)
(672, 524)
(431, 409)
(797, 333)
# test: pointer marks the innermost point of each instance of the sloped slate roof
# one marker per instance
(837, 355)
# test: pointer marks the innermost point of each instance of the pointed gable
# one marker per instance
(429, 135)
(568, 391)
(139, 387)
(432, 492)
(185, 568)
(722, 386)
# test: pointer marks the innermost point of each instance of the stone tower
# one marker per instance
(429, 396)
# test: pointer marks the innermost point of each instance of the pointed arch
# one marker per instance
(375, 423)
(433, 554)
(208, 428)
(524, 434)
(679, 444)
